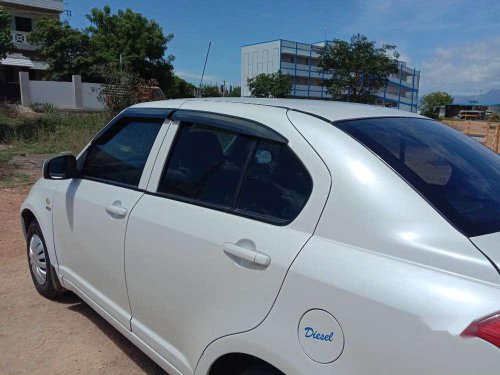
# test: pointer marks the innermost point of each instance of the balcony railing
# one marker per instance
(20, 39)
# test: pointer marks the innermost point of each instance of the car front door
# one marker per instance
(208, 248)
(90, 213)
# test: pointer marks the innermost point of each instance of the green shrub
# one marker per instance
(5, 132)
(43, 107)
(31, 127)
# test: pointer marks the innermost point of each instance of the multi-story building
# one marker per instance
(25, 15)
(300, 60)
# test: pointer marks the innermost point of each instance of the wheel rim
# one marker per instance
(38, 262)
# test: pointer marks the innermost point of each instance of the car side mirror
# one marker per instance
(60, 168)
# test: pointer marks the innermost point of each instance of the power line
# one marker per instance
(202, 52)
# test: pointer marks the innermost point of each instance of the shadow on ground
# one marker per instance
(142, 360)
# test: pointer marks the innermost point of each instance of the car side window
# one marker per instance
(206, 165)
(120, 154)
(277, 185)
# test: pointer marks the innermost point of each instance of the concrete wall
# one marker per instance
(63, 95)
(257, 59)
(90, 92)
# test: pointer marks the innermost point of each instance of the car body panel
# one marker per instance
(490, 245)
(90, 242)
(371, 207)
(39, 203)
(194, 311)
(326, 109)
(400, 280)
(85, 232)
(397, 317)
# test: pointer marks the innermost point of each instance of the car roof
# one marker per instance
(326, 109)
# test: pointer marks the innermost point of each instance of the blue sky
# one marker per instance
(455, 43)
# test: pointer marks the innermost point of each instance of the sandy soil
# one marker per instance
(41, 336)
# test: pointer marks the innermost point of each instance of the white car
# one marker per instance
(267, 236)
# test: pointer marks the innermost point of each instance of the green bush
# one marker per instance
(5, 132)
(44, 107)
(31, 127)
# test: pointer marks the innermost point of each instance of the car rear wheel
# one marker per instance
(261, 370)
(41, 270)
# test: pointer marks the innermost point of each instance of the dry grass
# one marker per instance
(48, 133)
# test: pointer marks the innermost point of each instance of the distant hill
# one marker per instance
(490, 97)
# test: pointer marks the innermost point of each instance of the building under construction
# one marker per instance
(300, 60)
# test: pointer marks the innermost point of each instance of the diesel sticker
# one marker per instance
(311, 333)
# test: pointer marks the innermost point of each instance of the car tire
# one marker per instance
(42, 273)
(261, 370)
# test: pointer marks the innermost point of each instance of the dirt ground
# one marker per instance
(41, 336)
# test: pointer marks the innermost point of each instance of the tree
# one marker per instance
(359, 68)
(66, 50)
(180, 89)
(235, 92)
(131, 38)
(125, 39)
(274, 85)
(122, 88)
(6, 45)
(209, 91)
(430, 101)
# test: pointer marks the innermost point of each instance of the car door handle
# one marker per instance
(116, 211)
(246, 254)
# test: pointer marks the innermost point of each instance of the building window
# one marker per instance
(302, 60)
(24, 24)
(301, 81)
(288, 58)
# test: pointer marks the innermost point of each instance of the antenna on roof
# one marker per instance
(204, 66)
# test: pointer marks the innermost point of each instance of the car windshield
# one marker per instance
(457, 175)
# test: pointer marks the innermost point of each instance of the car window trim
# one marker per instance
(233, 210)
(194, 202)
(230, 123)
(127, 114)
(243, 176)
(135, 113)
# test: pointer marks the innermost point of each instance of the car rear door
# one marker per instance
(90, 213)
(230, 205)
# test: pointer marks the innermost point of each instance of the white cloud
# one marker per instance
(464, 69)
(394, 16)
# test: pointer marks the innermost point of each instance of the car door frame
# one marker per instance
(131, 113)
(309, 216)
(237, 120)
(137, 113)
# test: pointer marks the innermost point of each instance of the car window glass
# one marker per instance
(277, 184)
(418, 156)
(206, 165)
(456, 174)
(120, 154)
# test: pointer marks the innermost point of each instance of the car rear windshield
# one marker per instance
(456, 174)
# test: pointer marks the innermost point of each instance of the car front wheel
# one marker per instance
(42, 272)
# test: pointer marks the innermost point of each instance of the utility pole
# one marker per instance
(204, 66)
(224, 89)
